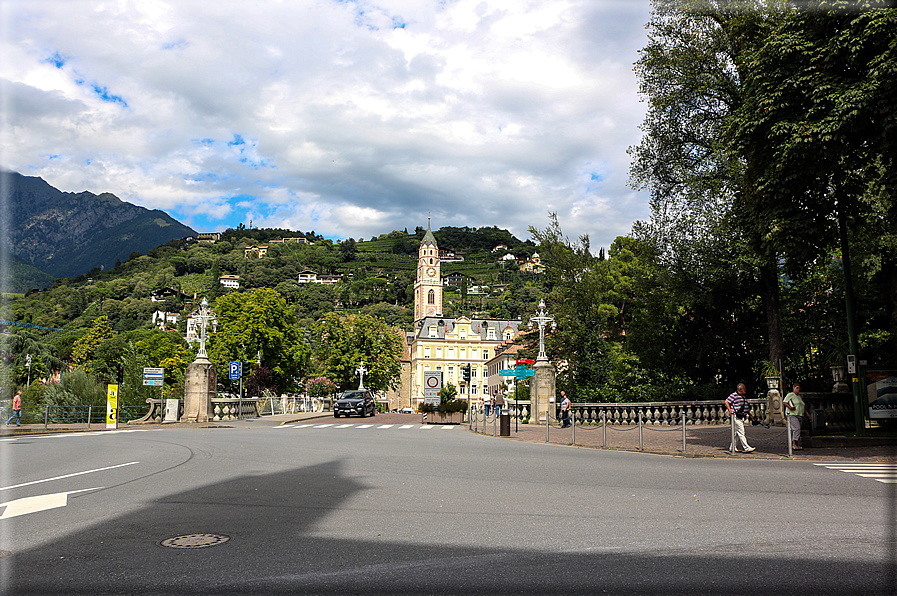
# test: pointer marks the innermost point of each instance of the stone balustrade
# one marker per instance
(223, 408)
(661, 413)
(837, 409)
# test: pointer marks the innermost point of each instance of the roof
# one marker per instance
(429, 238)
(477, 327)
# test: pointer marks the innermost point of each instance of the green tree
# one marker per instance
(84, 350)
(259, 325)
(341, 343)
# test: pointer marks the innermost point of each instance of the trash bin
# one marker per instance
(504, 425)
(817, 422)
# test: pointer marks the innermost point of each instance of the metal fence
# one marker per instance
(87, 415)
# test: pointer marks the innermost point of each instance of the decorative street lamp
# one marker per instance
(204, 316)
(542, 319)
(361, 370)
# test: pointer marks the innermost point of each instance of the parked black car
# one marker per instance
(358, 401)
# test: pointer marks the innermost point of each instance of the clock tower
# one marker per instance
(428, 287)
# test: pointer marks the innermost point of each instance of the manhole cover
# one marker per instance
(194, 540)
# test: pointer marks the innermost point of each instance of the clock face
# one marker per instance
(431, 310)
(431, 272)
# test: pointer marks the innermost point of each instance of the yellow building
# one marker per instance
(447, 345)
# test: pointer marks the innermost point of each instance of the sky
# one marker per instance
(349, 118)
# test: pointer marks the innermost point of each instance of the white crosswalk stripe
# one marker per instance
(885, 473)
(365, 426)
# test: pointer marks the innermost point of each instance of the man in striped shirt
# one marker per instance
(738, 409)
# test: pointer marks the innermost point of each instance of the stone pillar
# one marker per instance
(774, 413)
(199, 389)
(542, 389)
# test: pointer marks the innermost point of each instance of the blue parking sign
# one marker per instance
(233, 370)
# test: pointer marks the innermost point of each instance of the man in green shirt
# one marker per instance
(795, 409)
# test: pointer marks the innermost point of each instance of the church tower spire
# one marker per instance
(428, 287)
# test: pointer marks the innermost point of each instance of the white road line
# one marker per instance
(448, 427)
(407, 426)
(322, 425)
(386, 426)
(884, 473)
(426, 427)
(364, 426)
(69, 475)
(344, 426)
(285, 426)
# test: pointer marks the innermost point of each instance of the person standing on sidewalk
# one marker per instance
(565, 410)
(737, 406)
(16, 409)
(499, 402)
(796, 409)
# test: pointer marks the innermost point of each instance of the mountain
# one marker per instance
(66, 234)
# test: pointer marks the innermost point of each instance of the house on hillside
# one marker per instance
(166, 293)
(532, 265)
(230, 281)
(165, 320)
(456, 278)
(255, 252)
(211, 237)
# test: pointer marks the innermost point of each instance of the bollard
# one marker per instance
(573, 416)
(732, 424)
(788, 433)
(683, 430)
(46, 417)
(89, 414)
(547, 425)
(641, 444)
(604, 428)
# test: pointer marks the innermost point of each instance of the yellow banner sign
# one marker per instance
(111, 406)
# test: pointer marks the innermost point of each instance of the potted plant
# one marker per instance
(771, 373)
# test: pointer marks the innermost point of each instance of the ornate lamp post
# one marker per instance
(361, 370)
(542, 319)
(204, 316)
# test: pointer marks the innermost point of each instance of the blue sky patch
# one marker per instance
(56, 60)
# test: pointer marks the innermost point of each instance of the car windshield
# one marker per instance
(352, 395)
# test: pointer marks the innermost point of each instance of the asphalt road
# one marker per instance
(320, 509)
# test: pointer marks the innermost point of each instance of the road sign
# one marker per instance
(233, 370)
(507, 372)
(154, 382)
(432, 383)
(525, 361)
(153, 373)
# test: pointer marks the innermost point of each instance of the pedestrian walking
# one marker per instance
(796, 409)
(737, 406)
(565, 410)
(499, 402)
(16, 409)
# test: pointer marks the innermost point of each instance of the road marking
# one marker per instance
(285, 426)
(365, 425)
(407, 426)
(386, 426)
(884, 473)
(344, 426)
(322, 425)
(69, 475)
(39, 503)
(426, 427)
(448, 427)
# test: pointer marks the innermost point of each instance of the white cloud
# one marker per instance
(350, 118)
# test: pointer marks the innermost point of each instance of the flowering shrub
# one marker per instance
(320, 387)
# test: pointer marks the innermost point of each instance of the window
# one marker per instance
(431, 297)
(451, 352)
(426, 352)
(464, 334)
(485, 354)
(473, 389)
(433, 331)
(508, 335)
(463, 390)
(473, 372)
(451, 371)
(490, 333)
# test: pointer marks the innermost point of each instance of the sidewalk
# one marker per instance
(706, 441)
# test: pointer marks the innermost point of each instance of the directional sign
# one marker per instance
(154, 382)
(153, 373)
(525, 361)
(507, 372)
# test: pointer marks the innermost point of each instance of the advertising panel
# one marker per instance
(881, 392)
